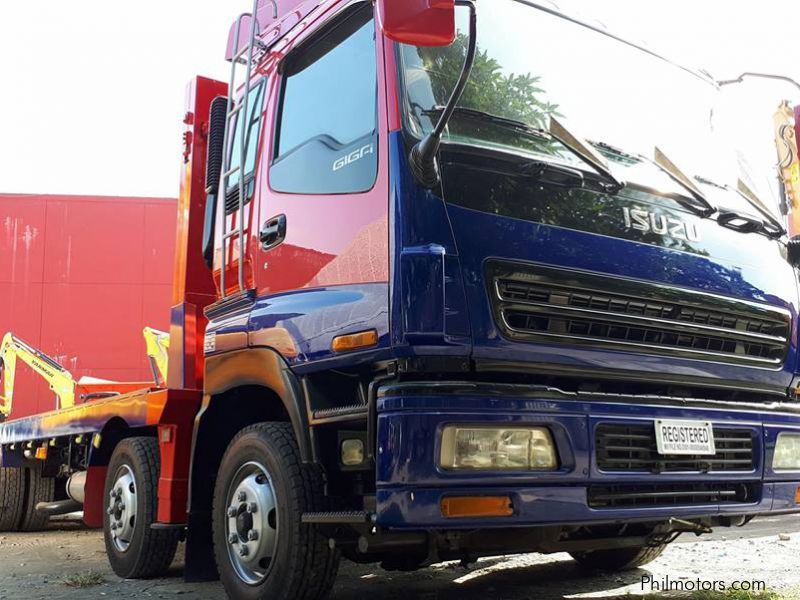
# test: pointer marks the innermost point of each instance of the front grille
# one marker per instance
(545, 304)
(633, 448)
(676, 494)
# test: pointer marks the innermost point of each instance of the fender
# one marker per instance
(262, 367)
(241, 368)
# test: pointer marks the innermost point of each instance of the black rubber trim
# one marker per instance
(230, 304)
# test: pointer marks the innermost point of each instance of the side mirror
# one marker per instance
(418, 22)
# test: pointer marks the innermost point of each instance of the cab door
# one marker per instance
(323, 217)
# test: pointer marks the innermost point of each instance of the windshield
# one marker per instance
(532, 64)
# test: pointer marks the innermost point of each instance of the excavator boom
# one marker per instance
(60, 379)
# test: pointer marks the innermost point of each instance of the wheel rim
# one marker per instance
(121, 509)
(251, 527)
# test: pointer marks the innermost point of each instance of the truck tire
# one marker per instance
(618, 559)
(136, 551)
(262, 548)
(12, 498)
(39, 489)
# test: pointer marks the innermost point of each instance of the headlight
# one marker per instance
(787, 452)
(495, 449)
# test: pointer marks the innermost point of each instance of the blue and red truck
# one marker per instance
(453, 279)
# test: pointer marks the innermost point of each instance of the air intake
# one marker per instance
(583, 309)
(675, 494)
(216, 143)
(632, 448)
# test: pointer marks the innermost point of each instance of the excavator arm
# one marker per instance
(59, 379)
(158, 353)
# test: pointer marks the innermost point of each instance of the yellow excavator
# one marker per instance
(60, 380)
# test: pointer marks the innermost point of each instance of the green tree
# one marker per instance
(514, 96)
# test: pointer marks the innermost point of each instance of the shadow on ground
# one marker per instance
(489, 580)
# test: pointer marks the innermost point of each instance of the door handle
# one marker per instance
(273, 232)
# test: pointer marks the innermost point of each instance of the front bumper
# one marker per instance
(410, 486)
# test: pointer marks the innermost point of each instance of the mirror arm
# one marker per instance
(422, 160)
(753, 74)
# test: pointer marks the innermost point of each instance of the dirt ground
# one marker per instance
(37, 566)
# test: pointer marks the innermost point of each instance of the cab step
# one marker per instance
(355, 412)
(347, 517)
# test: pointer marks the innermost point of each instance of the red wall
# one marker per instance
(79, 279)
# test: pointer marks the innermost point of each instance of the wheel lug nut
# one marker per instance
(232, 511)
(114, 526)
(252, 535)
(243, 551)
(110, 510)
(252, 507)
(242, 496)
(233, 538)
(122, 506)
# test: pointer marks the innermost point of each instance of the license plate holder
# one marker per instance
(684, 437)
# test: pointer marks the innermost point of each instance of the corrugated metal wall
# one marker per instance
(79, 279)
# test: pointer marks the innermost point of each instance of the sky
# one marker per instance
(92, 91)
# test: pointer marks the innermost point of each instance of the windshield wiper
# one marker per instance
(704, 208)
(479, 115)
(772, 227)
(584, 150)
(745, 223)
(580, 148)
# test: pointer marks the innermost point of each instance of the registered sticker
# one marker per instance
(684, 437)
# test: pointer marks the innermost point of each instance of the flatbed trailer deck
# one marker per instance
(168, 412)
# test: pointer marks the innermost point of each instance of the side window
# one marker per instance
(326, 141)
(250, 127)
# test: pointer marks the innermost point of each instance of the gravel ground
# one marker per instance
(35, 566)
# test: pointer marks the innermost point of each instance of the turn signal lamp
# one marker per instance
(355, 341)
(476, 506)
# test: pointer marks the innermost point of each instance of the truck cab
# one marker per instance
(529, 350)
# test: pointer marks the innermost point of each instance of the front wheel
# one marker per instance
(136, 551)
(262, 548)
(618, 559)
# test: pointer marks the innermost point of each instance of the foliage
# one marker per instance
(514, 96)
(84, 580)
